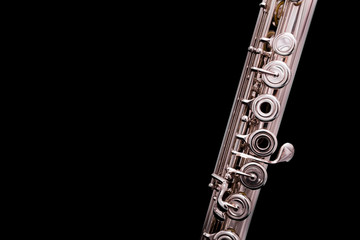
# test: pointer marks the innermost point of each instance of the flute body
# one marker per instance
(250, 138)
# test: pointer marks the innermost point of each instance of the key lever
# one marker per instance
(286, 153)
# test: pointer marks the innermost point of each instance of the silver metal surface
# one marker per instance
(261, 142)
(258, 175)
(242, 209)
(250, 138)
(284, 44)
(286, 153)
(222, 235)
(265, 107)
(280, 77)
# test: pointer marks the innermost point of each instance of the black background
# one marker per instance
(185, 62)
(142, 95)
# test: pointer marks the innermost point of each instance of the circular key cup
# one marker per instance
(266, 107)
(243, 207)
(226, 235)
(284, 44)
(262, 142)
(281, 75)
(258, 175)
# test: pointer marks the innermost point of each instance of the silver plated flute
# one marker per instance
(255, 118)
